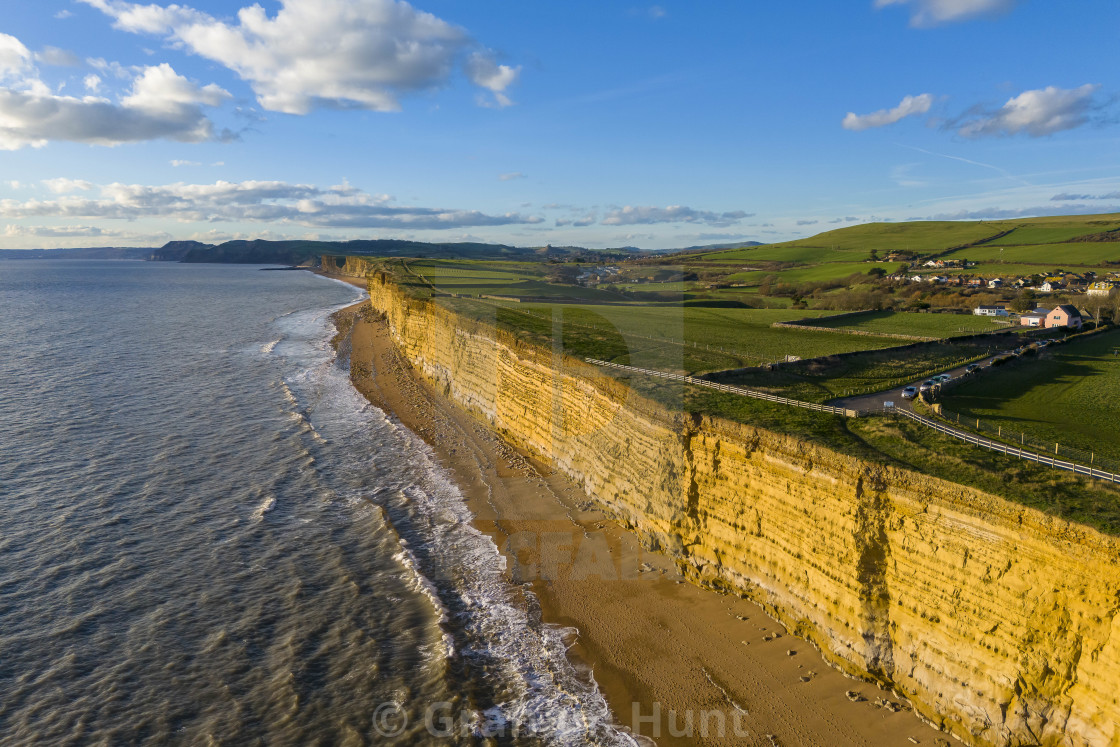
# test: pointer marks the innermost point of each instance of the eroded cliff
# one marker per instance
(998, 622)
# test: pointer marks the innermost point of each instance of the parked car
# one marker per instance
(941, 378)
(910, 392)
(972, 368)
(926, 385)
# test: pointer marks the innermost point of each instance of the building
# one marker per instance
(995, 283)
(1036, 318)
(1101, 288)
(990, 311)
(1050, 286)
(1064, 316)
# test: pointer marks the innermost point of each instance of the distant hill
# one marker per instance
(98, 252)
(934, 238)
(297, 252)
(716, 247)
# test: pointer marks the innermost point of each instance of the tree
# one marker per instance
(874, 255)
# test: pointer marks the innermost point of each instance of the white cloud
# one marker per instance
(92, 82)
(15, 58)
(630, 216)
(909, 106)
(511, 176)
(1036, 113)
(341, 206)
(485, 72)
(62, 185)
(324, 53)
(58, 57)
(935, 12)
(177, 163)
(63, 14)
(161, 104)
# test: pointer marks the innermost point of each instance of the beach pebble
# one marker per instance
(853, 696)
(804, 678)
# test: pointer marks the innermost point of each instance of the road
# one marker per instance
(871, 402)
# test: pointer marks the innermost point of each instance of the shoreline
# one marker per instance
(675, 662)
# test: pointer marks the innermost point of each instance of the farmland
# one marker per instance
(1070, 396)
(1081, 254)
(921, 325)
(673, 338)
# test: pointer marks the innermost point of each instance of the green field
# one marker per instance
(1041, 234)
(1048, 256)
(908, 323)
(1070, 396)
(672, 338)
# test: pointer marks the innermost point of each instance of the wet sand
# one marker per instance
(677, 663)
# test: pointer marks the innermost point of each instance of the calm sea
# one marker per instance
(207, 536)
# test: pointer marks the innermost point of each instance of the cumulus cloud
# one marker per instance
(485, 72)
(341, 206)
(62, 185)
(15, 58)
(511, 176)
(325, 53)
(161, 104)
(633, 216)
(1065, 196)
(925, 13)
(909, 106)
(1036, 113)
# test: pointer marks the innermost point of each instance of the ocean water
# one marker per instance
(207, 536)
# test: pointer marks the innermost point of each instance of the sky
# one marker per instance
(599, 124)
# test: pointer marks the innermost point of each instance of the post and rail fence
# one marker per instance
(1016, 451)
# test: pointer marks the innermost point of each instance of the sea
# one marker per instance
(208, 536)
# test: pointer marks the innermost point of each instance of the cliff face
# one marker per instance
(998, 622)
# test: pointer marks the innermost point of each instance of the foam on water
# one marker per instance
(456, 566)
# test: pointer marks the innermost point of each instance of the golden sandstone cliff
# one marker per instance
(998, 622)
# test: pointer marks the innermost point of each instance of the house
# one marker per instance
(975, 282)
(1050, 286)
(1036, 318)
(990, 311)
(936, 279)
(1101, 288)
(995, 283)
(1064, 316)
(916, 278)
(934, 263)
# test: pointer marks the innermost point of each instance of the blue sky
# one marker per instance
(591, 123)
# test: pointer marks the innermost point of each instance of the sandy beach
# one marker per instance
(678, 664)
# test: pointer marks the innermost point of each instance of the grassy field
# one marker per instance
(1070, 396)
(1049, 256)
(672, 338)
(1050, 234)
(907, 323)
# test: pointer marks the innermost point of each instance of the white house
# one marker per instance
(995, 283)
(990, 311)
